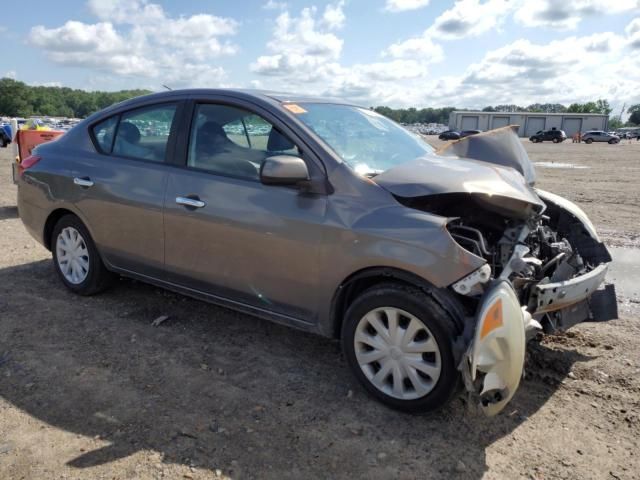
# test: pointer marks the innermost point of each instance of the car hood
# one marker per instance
(500, 187)
(433, 174)
(501, 146)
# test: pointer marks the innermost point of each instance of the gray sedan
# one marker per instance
(429, 268)
(600, 136)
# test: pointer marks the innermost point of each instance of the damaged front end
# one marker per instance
(544, 264)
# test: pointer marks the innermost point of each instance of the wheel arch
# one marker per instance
(50, 223)
(363, 279)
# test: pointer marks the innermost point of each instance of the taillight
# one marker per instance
(27, 163)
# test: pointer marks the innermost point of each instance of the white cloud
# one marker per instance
(422, 47)
(10, 74)
(300, 46)
(523, 72)
(404, 5)
(333, 16)
(468, 18)
(464, 19)
(273, 5)
(567, 14)
(633, 34)
(137, 38)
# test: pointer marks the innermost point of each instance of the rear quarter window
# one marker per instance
(103, 133)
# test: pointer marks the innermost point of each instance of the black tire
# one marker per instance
(556, 140)
(535, 140)
(98, 278)
(588, 141)
(612, 141)
(440, 322)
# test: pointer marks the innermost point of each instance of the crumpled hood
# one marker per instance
(501, 146)
(497, 171)
(435, 174)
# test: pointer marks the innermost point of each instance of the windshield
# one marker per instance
(367, 141)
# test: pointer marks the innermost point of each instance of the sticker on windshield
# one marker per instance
(294, 108)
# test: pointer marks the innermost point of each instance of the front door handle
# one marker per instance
(190, 202)
(83, 182)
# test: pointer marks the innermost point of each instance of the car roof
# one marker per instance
(268, 95)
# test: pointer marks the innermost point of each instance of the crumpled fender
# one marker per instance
(494, 362)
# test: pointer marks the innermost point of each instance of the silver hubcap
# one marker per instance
(397, 353)
(72, 255)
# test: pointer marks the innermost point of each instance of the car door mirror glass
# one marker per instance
(283, 170)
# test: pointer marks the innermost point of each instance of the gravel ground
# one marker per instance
(89, 389)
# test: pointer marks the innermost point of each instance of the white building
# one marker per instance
(529, 122)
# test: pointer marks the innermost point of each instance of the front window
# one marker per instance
(367, 141)
(230, 141)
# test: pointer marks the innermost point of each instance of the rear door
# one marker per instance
(120, 189)
(241, 240)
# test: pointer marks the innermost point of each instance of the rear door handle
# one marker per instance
(190, 202)
(83, 182)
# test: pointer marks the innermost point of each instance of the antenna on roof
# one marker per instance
(168, 88)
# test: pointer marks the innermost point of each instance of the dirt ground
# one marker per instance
(90, 389)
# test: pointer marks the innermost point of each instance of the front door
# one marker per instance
(230, 236)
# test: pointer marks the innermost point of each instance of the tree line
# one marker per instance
(17, 99)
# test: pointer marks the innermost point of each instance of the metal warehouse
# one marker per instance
(530, 122)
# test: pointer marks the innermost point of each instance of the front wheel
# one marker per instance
(589, 141)
(76, 258)
(556, 140)
(612, 141)
(398, 343)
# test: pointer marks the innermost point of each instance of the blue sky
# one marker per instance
(395, 52)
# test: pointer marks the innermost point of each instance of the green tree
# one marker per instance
(615, 123)
(18, 99)
(634, 110)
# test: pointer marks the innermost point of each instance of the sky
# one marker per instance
(399, 53)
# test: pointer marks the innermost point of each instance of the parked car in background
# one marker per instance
(466, 133)
(449, 135)
(599, 136)
(5, 135)
(553, 135)
(431, 269)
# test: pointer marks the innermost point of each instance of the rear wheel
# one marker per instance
(589, 140)
(397, 341)
(76, 258)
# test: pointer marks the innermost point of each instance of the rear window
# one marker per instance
(144, 133)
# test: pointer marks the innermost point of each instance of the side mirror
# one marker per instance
(283, 170)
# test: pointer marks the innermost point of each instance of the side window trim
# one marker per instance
(94, 140)
(170, 151)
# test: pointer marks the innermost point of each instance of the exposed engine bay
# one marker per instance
(551, 246)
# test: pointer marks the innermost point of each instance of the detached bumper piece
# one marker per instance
(493, 363)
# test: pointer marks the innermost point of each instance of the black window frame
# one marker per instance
(315, 166)
(171, 139)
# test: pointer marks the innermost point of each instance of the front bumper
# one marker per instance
(558, 295)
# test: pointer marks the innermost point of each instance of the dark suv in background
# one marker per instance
(554, 135)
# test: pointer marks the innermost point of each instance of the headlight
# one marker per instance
(472, 283)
